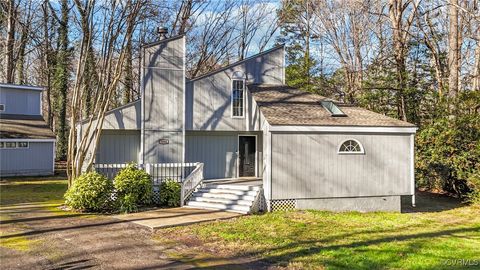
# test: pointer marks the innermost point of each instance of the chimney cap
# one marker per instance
(162, 31)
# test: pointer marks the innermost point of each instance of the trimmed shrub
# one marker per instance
(170, 193)
(133, 188)
(90, 192)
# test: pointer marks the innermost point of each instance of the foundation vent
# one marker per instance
(283, 205)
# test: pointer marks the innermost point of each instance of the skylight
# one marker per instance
(332, 108)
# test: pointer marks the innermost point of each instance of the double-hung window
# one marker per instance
(238, 98)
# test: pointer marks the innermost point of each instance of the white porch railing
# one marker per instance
(193, 180)
(189, 175)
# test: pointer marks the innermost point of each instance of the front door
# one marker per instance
(247, 151)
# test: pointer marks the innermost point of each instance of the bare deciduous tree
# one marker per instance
(110, 66)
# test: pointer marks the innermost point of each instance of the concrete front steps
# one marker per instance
(229, 197)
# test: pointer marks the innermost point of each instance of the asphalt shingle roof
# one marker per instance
(284, 105)
(16, 126)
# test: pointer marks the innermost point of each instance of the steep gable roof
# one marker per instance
(284, 105)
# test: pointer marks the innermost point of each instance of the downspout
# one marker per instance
(412, 167)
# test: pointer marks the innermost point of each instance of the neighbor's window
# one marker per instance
(10, 144)
(22, 144)
(351, 147)
(2, 107)
(237, 98)
(2, 144)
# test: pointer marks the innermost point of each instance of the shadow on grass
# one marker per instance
(303, 249)
(95, 224)
(429, 202)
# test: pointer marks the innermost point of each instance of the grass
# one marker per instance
(16, 191)
(315, 239)
(19, 194)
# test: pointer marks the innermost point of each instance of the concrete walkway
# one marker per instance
(170, 217)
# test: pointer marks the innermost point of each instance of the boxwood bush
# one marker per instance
(90, 192)
(170, 193)
(133, 188)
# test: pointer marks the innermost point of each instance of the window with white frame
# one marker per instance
(351, 146)
(238, 100)
(10, 144)
(2, 107)
(14, 145)
(22, 144)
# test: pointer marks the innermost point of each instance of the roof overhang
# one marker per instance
(26, 140)
(21, 87)
(344, 129)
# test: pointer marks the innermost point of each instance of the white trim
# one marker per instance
(27, 140)
(184, 108)
(269, 164)
(41, 103)
(21, 87)
(362, 150)
(343, 129)
(412, 168)
(284, 61)
(238, 153)
(53, 157)
(243, 98)
(141, 159)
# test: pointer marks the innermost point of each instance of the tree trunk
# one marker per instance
(453, 49)
(476, 71)
(47, 63)
(128, 92)
(396, 12)
(61, 83)
(9, 48)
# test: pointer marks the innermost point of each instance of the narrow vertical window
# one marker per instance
(238, 98)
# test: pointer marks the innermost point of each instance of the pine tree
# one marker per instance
(295, 19)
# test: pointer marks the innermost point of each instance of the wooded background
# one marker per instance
(415, 60)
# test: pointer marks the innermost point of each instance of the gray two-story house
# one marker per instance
(27, 145)
(242, 122)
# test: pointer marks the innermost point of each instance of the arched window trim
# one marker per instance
(361, 152)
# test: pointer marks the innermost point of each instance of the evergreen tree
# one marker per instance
(61, 80)
(295, 19)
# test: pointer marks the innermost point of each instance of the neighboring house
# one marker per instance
(243, 121)
(27, 145)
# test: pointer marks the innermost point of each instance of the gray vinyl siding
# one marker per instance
(37, 159)
(20, 101)
(164, 86)
(208, 99)
(118, 146)
(163, 153)
(308, 166)
(125, 117)
(218, 152)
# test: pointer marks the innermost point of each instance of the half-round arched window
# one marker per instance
(351, 146)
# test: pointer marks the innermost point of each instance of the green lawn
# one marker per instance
(27, 190)
(315, 239)
(302, 239)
